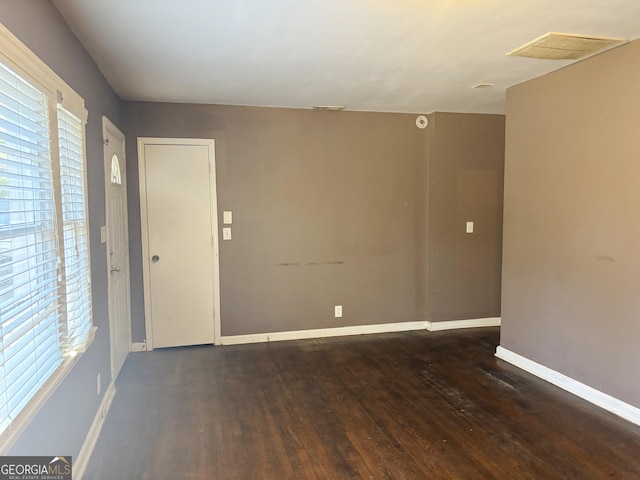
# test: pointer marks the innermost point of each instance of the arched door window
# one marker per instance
(116, 176)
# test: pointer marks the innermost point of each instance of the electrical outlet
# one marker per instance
(338, 311)
(98, 384)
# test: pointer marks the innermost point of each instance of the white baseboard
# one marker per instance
(138, 347)
(602, 400)
(81, 462)
(472, 323)
(322, 333)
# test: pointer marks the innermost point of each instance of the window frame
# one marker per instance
(18, 57)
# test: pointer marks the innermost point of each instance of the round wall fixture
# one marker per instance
(422, 122)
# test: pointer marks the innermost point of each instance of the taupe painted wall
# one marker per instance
(63, 422)
(466, 169)
(305, 187)
(571, 282)
(332, 208)
(324, 212)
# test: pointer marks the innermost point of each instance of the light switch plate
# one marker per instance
(227, 218)
(338, 311)
(469, 227)
(226, 233)
(103, 234)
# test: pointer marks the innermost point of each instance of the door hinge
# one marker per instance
(105, 141)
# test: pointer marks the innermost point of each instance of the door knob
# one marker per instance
(115, 269)
(155, 258)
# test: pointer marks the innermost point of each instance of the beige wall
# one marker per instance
(571, 282)
(466, 171)
(329, 208)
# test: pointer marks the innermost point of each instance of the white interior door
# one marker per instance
(117, 239)
(180, 253)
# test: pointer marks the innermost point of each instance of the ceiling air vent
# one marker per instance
(565, 46)
(482, 86)
(332, 108)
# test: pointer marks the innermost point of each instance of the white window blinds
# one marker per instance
(45, 276)
(30, 323)
(77, 274)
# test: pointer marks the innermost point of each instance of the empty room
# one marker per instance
(319, 239)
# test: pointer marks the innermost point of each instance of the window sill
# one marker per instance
(9, 437)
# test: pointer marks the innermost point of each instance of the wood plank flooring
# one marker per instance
(418, 405)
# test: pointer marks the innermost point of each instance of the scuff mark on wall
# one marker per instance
(293, 264)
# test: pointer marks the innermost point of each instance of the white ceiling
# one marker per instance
(376, 55)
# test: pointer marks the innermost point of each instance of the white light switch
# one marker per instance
(226, 233)
(227, 218)
(103, 234)
(469, 227)
(338, 311)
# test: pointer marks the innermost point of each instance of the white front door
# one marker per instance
(179, 228)
(117, 238)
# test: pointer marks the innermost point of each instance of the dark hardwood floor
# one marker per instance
(414, 405)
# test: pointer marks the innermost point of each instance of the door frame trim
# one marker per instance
(144, 223)
(108, 125)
